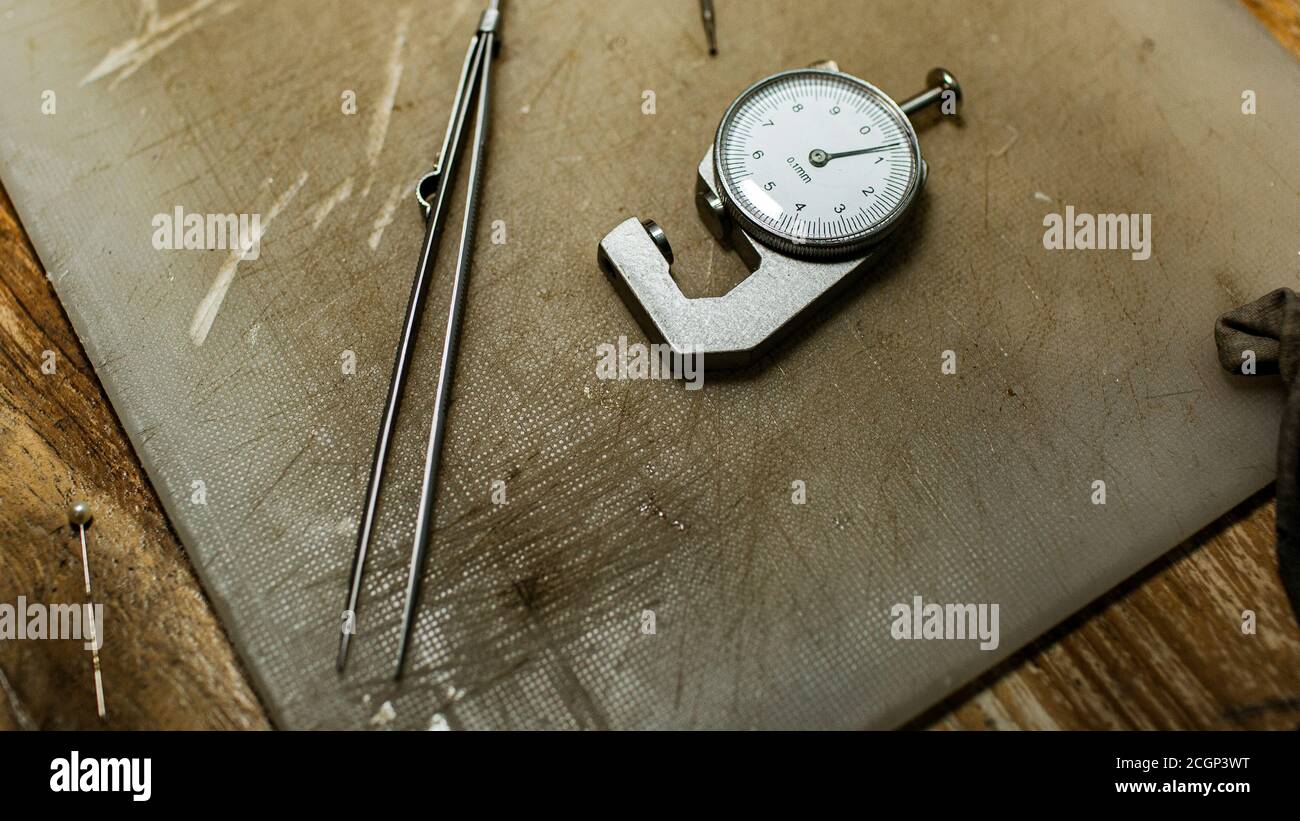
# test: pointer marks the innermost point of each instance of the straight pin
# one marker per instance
(80, 516)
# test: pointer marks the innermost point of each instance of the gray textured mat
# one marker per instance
(628, 496)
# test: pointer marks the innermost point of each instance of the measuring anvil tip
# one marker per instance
(660, 239)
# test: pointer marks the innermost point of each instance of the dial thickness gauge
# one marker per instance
(816, 163)
(809, 172)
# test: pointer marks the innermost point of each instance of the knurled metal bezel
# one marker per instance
(810, 248)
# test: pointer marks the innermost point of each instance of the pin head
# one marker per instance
(79, 514)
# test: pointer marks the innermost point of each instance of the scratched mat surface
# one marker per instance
(232, 374)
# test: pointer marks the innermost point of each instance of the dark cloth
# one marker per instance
(1270, 326)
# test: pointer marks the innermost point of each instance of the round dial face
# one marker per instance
(816, 162)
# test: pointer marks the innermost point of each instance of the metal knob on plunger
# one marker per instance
(940, 81)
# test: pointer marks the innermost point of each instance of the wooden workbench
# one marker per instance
(1145, 656)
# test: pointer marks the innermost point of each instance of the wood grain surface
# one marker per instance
(166, 661)
(1162, 651)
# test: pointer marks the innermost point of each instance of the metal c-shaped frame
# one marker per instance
(730, 330)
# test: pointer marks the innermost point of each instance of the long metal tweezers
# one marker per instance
(473, 91)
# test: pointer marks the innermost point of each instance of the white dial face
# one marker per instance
(817, 160)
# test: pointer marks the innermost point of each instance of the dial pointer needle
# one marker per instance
(819, 157)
